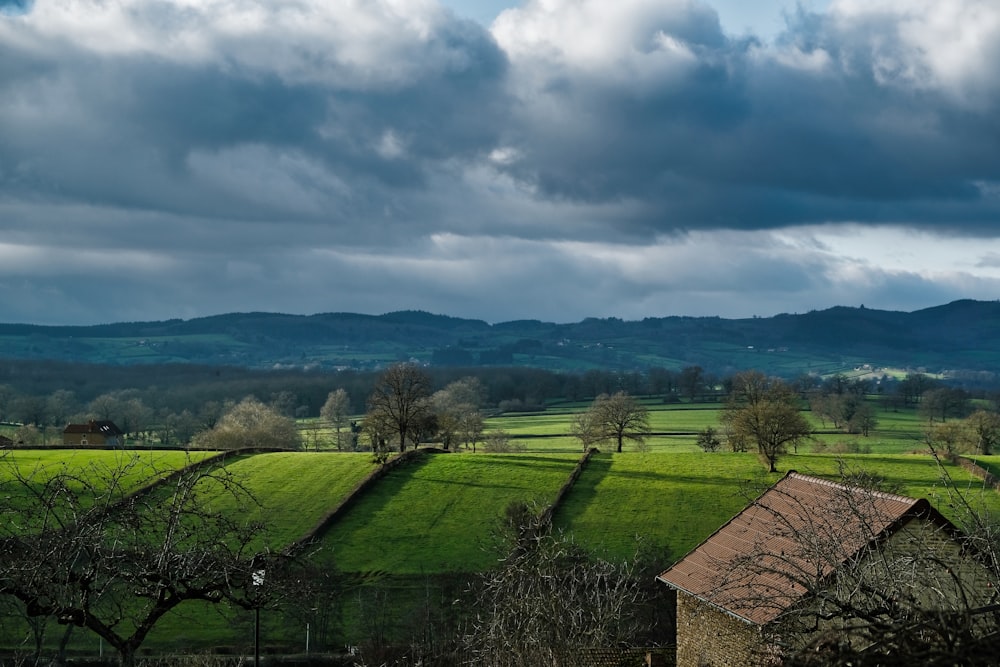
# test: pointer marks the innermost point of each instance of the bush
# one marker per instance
(708, 440)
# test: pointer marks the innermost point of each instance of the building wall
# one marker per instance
(707, 637)
(920, 564)
(92, 439)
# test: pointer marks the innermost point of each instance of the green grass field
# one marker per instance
(439, 514)
(293, 490)
(674, 429)
(677, 500)
(134, 468)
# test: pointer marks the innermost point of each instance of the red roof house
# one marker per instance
(95, 433)
(812, 561)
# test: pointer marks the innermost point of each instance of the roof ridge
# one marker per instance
(853, 488)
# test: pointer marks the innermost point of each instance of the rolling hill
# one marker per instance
(960, 336)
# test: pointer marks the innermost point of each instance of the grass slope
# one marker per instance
(678, 500)
(294, 490)
(133, 468)
(437, 515)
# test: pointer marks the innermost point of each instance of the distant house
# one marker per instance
(5, 442)
(94, 433)
(815, 564)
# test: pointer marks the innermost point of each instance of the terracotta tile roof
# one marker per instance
(802, 528)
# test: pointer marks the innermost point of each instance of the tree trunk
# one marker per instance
(63, 643)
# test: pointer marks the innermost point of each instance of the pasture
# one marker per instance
(438, 516)
(290, 492)
(674, 428)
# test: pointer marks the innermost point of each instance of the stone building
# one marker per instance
(812, 565)
(95, 433)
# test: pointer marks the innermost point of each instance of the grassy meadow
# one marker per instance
(438, 515)
(290, 492)
(132, 469)
(675, 427)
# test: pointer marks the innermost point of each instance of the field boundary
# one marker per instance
(359, 489)
(546, 515)
(974, 468)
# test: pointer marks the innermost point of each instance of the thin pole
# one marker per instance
(256, 638)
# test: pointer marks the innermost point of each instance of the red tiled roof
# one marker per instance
(800, 530)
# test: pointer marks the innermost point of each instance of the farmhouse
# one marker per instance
(101, 433)
(815, 567)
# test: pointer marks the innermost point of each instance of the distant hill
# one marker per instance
(963, 336)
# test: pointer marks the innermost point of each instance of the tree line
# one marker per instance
(408, 403)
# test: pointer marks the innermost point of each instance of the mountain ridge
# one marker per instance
(963, 334)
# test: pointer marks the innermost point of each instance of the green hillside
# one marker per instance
(435, 516)
(959, 335)
(294, 490)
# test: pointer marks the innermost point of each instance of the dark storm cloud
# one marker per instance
(701, 129)
(630, 157)
(732, 135)
(159, 132)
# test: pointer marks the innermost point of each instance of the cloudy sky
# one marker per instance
(548, 159)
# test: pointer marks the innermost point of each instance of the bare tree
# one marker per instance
(613, 418)
(691, 381)
(456, 407)
(584, 429)
(251, 423)
(498, 441)
(399, 400)
(377, 430)
(550, 601)
(984, 429)
(763, 412)
(471, 428)
(81, 549)
(708, 440)
(945, 402)
(337, 411)
(60, 404)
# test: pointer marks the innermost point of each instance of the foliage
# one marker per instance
(959, 335)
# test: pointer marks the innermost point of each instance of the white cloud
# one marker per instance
(334, 42)
(633, 42)
(926, 44)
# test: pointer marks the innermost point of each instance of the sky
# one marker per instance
(547, 159)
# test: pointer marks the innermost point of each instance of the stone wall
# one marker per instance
(707, 637)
